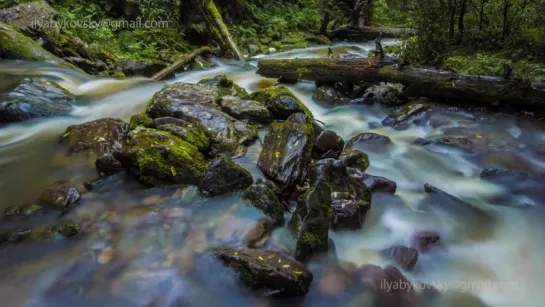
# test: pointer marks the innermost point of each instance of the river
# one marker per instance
(137, 257)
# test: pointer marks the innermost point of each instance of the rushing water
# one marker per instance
(141, 247)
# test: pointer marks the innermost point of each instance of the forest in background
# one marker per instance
(467, 36)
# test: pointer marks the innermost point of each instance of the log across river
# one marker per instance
(419, 82)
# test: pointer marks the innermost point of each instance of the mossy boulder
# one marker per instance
(263, 197)
(34, 98)
(60, 196)
(245, 109)
(108, 165)
(224, 176)
(196, 104)
(388, 94)
(355, 159)
(287, 150)
(139, 68)
(193, 133)
(368, 142)
(317, 39)
(140, 120)
(157, 157)
(99, 136)
(15, 46)
(281, 102)
(24, 17)
(225, 86)
(266, 271)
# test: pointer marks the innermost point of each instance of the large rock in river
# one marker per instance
(197, 104)
(157, 157)
(225, 86)
(281, 102)
(245, 109)
(100, 136)
(224, 176)
(261, 196)
(34, 98)
(287, 150)
(277, 274)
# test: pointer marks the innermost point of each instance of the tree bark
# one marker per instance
(452, 12)
(367, 33)
(220, 29)
(183, 60)
(461, 26)
(446, 86)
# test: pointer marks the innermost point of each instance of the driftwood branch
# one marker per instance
(183, 60)
(220, 29)
(439, 85)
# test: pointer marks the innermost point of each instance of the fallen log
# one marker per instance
(367, 33)
(183, 60)
(438, 85)
(215, 21)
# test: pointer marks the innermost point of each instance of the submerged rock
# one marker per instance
(406, 116)
(23, 211)
(368, 141)
(156, 157)
(108, 165)
(60, 196)
(329, 96)
(277, 274)
(503, 176)
(245, 109)
(260, 233)
(100, 136)
(224, 176)
(469, 144)
(38, 234)
(103, 183)
(403, 256)
(287, 150)
(196, 104)
(225, 86)
(34, 98)
(262, 197)
(426, 241)
(281, 102)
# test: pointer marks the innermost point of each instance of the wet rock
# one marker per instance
(276, 273)
(388, 94)
(281, 102)
(156, 157)
(24, 16)
(88, 66)
(287, 150)
(34, 98)
(140, 120)
(329, 96)
(100, 136)
(262, 197)
(503, 176)
(426, 241)
(260, 233)
(245, 109)
(406, 116)
(193, 133)
(277, 191)
(355, 159)
(23, 211)
(108, 165)
(328, 142)
(403, 256)
(104, 183)
(38, 234)
(469, 144)
(372, 142)
(389, 287)
(379, 184)
(60, 196)
(225, 87)
(196, 104)
(224, 176)
(139, 68)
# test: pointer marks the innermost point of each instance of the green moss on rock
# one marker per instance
(140, 120)
(281, 102)
(225, 86)
(262, 197)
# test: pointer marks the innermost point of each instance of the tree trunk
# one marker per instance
(481, 14)
(446, 86)
(184, 59)
(452, 12)
(506, 6)
(362, 13)
(461, 27)
(326, 17)
(219, 28)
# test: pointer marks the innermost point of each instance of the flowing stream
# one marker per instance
(133, 252)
